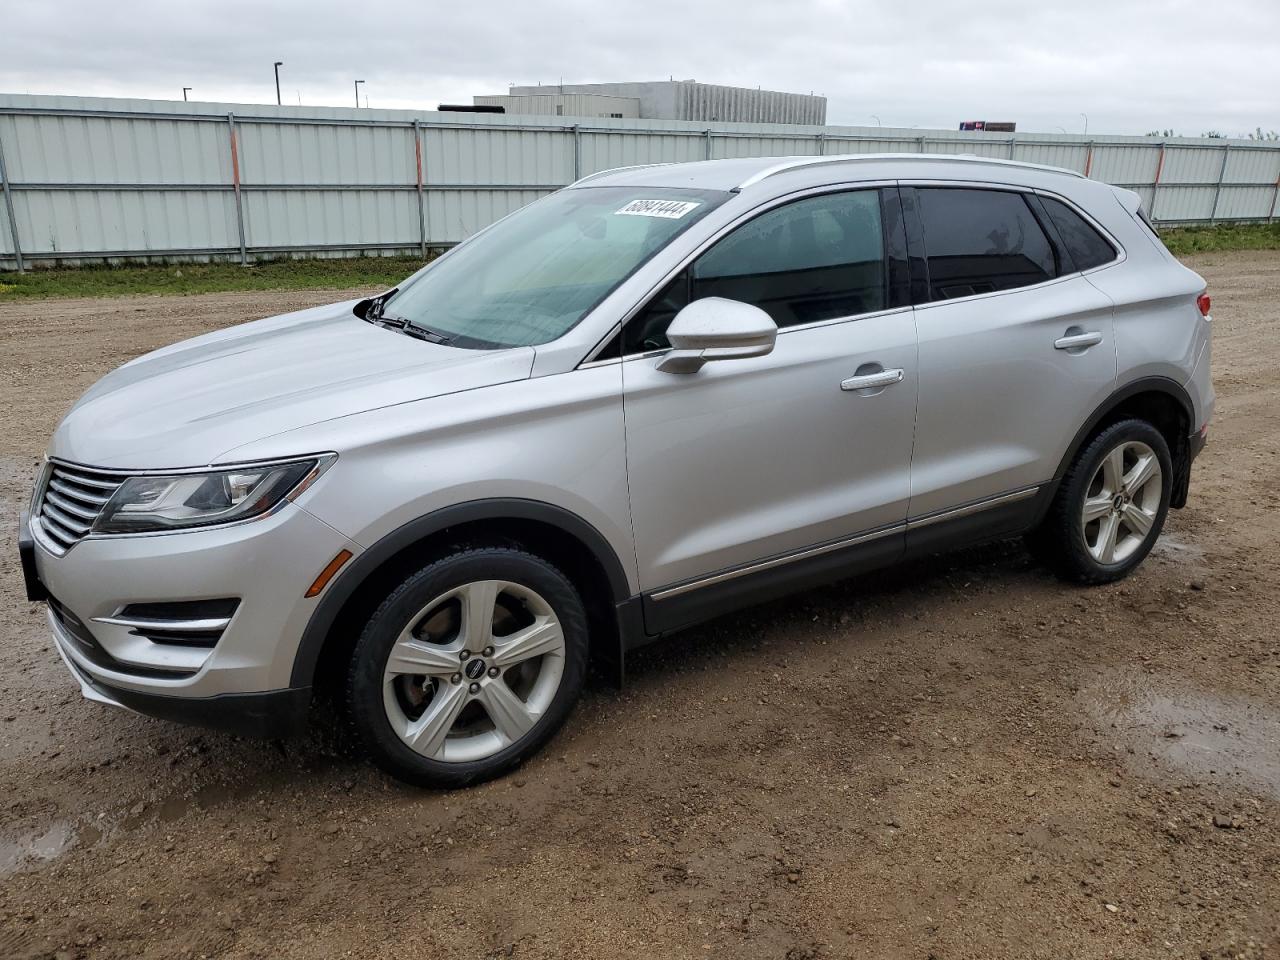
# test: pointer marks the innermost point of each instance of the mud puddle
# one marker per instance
(1227, 740)
(19, 852)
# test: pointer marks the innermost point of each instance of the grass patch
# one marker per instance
(188, 278)
(1227, 236)
(375, 272)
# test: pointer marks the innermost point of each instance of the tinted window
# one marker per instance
(819, 258)
(1086, 247)
(979, 241)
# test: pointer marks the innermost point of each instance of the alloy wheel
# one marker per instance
(474, 671)
(1122, 502)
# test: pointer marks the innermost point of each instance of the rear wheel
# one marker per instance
(1110, 507)
(469, 667)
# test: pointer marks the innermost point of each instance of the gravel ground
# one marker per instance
(958, 758)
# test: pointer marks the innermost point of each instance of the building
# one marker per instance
(662, 100)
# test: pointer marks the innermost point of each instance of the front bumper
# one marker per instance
(241, 682)
(273, 714)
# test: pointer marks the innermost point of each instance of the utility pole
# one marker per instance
(358, 82)
(278, 65)
(184, 94)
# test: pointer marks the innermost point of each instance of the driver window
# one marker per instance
(820, 258)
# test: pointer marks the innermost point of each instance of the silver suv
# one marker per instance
(659, 394)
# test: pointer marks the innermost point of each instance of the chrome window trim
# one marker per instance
(1012, 188)
(950, 513)
(844, 187)
(847, 186)
(594, 352)
(831, 321)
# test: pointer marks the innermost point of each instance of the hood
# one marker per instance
(187, 404)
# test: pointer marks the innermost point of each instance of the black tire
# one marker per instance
(1060, 541)
(365, 706)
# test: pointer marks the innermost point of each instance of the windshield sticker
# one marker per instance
(666, 209)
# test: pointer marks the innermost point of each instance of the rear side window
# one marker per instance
(981, 241)
(1085, 245)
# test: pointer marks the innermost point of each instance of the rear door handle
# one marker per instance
(870, 381)
(1077, 341)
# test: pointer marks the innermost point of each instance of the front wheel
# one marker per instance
(1110, 506)
(468, 667)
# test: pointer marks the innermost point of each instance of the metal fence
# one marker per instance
(88, 179)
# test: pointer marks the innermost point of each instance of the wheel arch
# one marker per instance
(1162, 402)
(562, 538)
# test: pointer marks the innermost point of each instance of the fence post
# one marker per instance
(822, 144)
(707, 152)
(577, 152)
(1088, 161)
(235, 185)
(1155, 184)
(1217, 190)
(13, 220)
(422, 207)
(920, 144)
(1274, 197)
(1012, 141)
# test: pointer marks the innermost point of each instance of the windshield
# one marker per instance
(533, 276)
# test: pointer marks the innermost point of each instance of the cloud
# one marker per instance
(1131, 67)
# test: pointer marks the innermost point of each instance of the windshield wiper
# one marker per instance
(405, 325)
(375, 312)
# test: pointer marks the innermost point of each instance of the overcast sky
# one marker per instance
(1186, 65)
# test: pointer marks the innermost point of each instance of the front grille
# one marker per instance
(72, 499)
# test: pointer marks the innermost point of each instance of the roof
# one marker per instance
(742, 173)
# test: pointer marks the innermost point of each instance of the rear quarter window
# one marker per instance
(1086, 246)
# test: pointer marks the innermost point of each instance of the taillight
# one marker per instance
(1202, 302)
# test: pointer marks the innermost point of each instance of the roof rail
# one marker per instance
(794, 163)
(605, 173)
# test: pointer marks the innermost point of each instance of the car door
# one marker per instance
(754, 472)
(1016, 350)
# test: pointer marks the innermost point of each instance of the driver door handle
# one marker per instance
(1077, 341)
(870, 381)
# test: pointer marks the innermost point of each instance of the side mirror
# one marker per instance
(717, 329)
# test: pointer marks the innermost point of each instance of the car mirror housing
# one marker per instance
(717, 329)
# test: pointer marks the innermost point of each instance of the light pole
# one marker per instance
(278, 65)
(876, 119)
(184, 94)
(358, 82)
(1086, 123)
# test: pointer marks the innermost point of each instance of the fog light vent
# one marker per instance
(185, 623)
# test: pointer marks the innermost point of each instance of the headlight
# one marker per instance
(154, 503)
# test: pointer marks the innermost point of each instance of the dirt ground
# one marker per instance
(957, 758)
